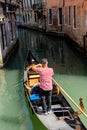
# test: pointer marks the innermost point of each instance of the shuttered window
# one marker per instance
(69, 16)
(50, 16)
(60, 15)
(3, 35)
(74, 19)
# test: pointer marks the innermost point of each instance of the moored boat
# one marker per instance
(62, 116)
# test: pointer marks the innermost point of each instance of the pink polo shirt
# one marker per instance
(45, 78)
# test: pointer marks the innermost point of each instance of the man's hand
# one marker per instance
(39, 65)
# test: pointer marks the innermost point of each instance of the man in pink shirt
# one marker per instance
(46, 74)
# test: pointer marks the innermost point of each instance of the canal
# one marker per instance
(70, 72)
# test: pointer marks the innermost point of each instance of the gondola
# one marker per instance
(63, 116)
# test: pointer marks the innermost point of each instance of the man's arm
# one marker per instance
(34, 67)
(29, 67)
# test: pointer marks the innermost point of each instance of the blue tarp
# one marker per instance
(34, 97)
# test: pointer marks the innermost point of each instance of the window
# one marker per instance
(50, 16)
(74, 22)
(69, 16)
(4, 39)
(28, 17)
(11, 30)
(31, 3)
(60, 15)
(35, 17)
(66, 16)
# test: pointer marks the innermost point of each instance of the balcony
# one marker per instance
(39, 6)
(9, 7)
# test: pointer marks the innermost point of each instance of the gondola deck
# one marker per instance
(51, 120)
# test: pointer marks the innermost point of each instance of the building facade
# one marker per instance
(67, 16)
(54, 13)
(32, 13)
(8, 35)
(75, 20)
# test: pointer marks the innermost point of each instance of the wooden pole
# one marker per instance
(70, 99)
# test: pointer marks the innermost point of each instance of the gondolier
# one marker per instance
(46, 74)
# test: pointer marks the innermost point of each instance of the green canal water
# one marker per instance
(70, 72)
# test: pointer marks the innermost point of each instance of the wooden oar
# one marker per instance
(70, 99)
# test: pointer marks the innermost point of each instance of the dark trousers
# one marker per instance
(46, 98)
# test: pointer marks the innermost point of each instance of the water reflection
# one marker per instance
(60, 56)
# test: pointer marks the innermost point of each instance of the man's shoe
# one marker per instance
(50, 111)
(45, 113)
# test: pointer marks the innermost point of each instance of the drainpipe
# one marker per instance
(63, 15)
(84, 42)
(63, 3)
